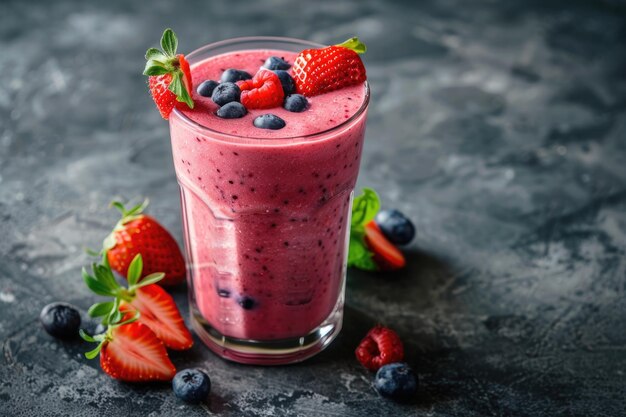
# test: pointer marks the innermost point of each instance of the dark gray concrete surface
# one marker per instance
(499, 127)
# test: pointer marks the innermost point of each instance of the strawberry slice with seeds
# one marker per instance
(386, 254)
(159, 312)
(379, 347)
(169, 75)
(263, 91)
(318, 71)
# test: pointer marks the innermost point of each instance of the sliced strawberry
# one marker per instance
(159, 312)
(263, 91)
(386, 255)
(137, 233)
(318, 71)
(379, 347)
(133, 353)
(169, 76)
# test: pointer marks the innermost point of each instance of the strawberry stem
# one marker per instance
(354, 44)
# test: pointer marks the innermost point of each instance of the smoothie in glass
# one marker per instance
(266, 212)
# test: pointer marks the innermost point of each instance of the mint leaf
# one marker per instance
(169, 42)
(364, 209)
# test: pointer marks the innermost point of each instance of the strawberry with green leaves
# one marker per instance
(318, 71)
(157, 308)
(369, 248)
(137, 233)
(129, 350)
(169, 75)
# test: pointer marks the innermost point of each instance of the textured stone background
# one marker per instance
(498, 126)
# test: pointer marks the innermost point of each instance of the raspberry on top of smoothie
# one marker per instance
(286, 83)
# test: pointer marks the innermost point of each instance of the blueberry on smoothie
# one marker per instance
(247, 303)
(225, 93)
(60, 320)
(205, 89)
(232, 110)
(395, 226)
(269, 121)
(295, 103)
(191, 385)
(276, 63)
(289, 85)
(232, 75)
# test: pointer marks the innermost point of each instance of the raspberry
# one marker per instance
(379, 347)
(263, 91)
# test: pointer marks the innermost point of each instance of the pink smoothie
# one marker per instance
(266, 211)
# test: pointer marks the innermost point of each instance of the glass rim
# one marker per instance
(232, 41)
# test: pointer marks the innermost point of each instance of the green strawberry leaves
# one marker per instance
(167, 62)
(102, 282)
(354, 44)
(364, 209)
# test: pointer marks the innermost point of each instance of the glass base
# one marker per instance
(268, 352)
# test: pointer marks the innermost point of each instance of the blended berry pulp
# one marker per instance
(266, 212)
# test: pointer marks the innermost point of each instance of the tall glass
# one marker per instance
(266, 229)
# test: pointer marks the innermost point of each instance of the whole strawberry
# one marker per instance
(318, 71)
(137, 233)
(169, 75)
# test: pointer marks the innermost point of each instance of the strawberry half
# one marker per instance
(318, 71)
(137, 233)
(131, 352)
(263, 91)
(159, 312)
(169, 75)
(386, 254)
(154, 307)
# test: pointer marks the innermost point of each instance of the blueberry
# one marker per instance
(232, 75)
(60, 320)
(191, 385)
(223, 293)
(396, 381)
(269, 121)
(247, 303)
(276, 63)
(225, 93)
(295, 103)
(395, 226)
(289, 85)
(232, 110)
(205, 89)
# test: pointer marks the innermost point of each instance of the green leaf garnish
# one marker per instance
(169, 42)
(364, 209)
(178, 87)
(355, 44)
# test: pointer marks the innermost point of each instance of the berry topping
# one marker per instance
(262, 92)
(225, 93)
(205, 89)
(232, 110)
(287, 82)
(130, 351)
(60, 320)
(396, 381)
(269, 121)
(169, 76)
(276, 63)
(247, 303)
(380, 346)
(232, 75)
(296, 103)
(318, 71)
(395, 226)
(137, 233)
(156, 307)
(386, 255)
(191, 385)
